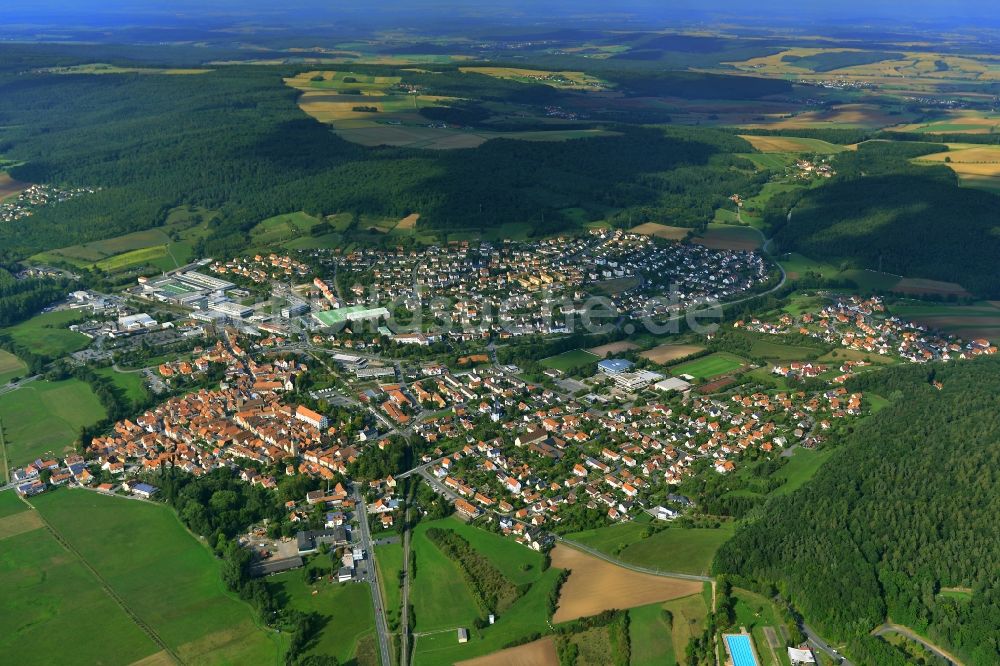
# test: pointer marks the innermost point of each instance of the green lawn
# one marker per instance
(282, 227)
(713, 365)
(650, 637)
(442, 602)
(47, 334)
(10, 504)
(132, 383)
(680, 549)
(777, 351)
(528, 616)
(802, 466)
(46, 416)
(755, 612)
(55, 611)
(517, 563)
(346, 609)
(10, 367)
(389, 559)
(438, 593)
(570, 359)
(168, 579)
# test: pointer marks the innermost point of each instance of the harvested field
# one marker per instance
(980, 320)
(10, 187)
(727, 237)
(19, 523)
(920, 286)
(661, 231)
(613, 348)
(716, 386)
(791, 144)
(595, 585)
(665, 353)
(537, 653)
(976, 166)
(408, 223)
(841, 116)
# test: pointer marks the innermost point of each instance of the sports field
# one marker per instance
(713, 365)
(570, 359)
(43, 417)
(10, 367)
(169, 580)
(47, 334)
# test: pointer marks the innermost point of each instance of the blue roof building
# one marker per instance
(613, 366)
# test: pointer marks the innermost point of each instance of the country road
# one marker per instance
(890, 628)
(381, 624)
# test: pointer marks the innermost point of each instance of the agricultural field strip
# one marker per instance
(148, 630)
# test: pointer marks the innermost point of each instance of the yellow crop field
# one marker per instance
(791, 144)
(976, 166)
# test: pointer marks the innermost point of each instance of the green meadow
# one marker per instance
(442, 602)
(162, 573)
(44, 416)
(679, 549)
(54, 609)
(48, 333)
(346, 609)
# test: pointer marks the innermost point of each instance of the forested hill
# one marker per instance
(234, 140)
(883, 213)
(909, 505)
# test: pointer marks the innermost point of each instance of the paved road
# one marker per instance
(13, 386)
(890, 628)
(381, 625)
(818, 643)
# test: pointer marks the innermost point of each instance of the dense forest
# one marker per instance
(885, 213)
(907, 507)
(234, 140)
(19, 299)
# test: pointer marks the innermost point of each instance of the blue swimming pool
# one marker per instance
(740, 649)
